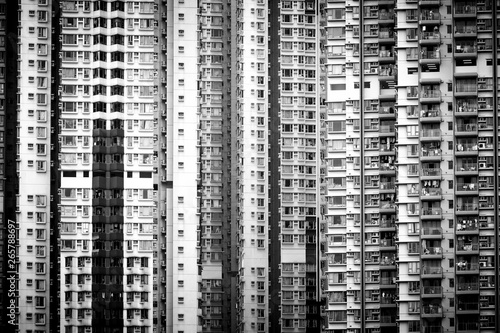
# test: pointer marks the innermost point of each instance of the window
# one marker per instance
(42, 16)
(41, 166)
(40, 268)
(42, 32)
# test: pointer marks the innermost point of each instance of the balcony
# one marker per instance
(386, 16)
(465, 51)
(467, 188)
(428, 116)
(431, 329)
(384, 148)
(466, 169)
(431, 233)
(430, 193)
(430, 17)
(466, 89)
(387, 206)
(386, 56)
(430, 96)
(435, 252)
(464, 267)
(466, 148)
(385, 37)
(388, 282)
(387, 129)
(434, 291)
(387, 186)
(430, 38)
(388, 262)
(466, 130)
(429, 154)
(387, 243)
(430, 173)
(467, 327)
(467, 307)
(388, 300)
(465, 31)
(465, 227)
(469, 248)
(387, 224)
(432, 272)
(430, 135)
(386, 112)
(468, 287)
(387, 320)
(465, 10)
(431, 213)
(468, 208)
(432, 311)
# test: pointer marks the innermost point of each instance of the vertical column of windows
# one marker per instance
(33, 145)
(341, 240)
(408, 168)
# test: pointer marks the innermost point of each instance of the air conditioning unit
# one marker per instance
(482, 165)
(482, 145)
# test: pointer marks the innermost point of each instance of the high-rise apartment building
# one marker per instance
(249, 166)
(412, 168)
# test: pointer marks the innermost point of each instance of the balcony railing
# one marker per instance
(430, 113)
(388, 319)
(387, 167)
(463, 266)
(386, 34)
(387, 242)
(391, 299)
(468, 286)
(466, 225)
(387, 185)
(430, 152)
(464, 49)
(431, 133)
(466, 147)
(387, 205)
(431, 172)
(468, 327)
(431, 251)
(467, 207)
(387, 224)
(430, 36)
(469, 30)
(467, 186)
(426, 192)
(429, 16)
(467, 128)
(432, 290)
(431, 94)
(387, 281)
(466, 88)
(469, 306)
(384, 148)
(461, 9)
(432, 231)
(388, 261)
(432, 329)
(387, 129)
(467, 167)
(386, 16)
(468, 247)
(431, 211)
(432, 270)
(432, 309)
